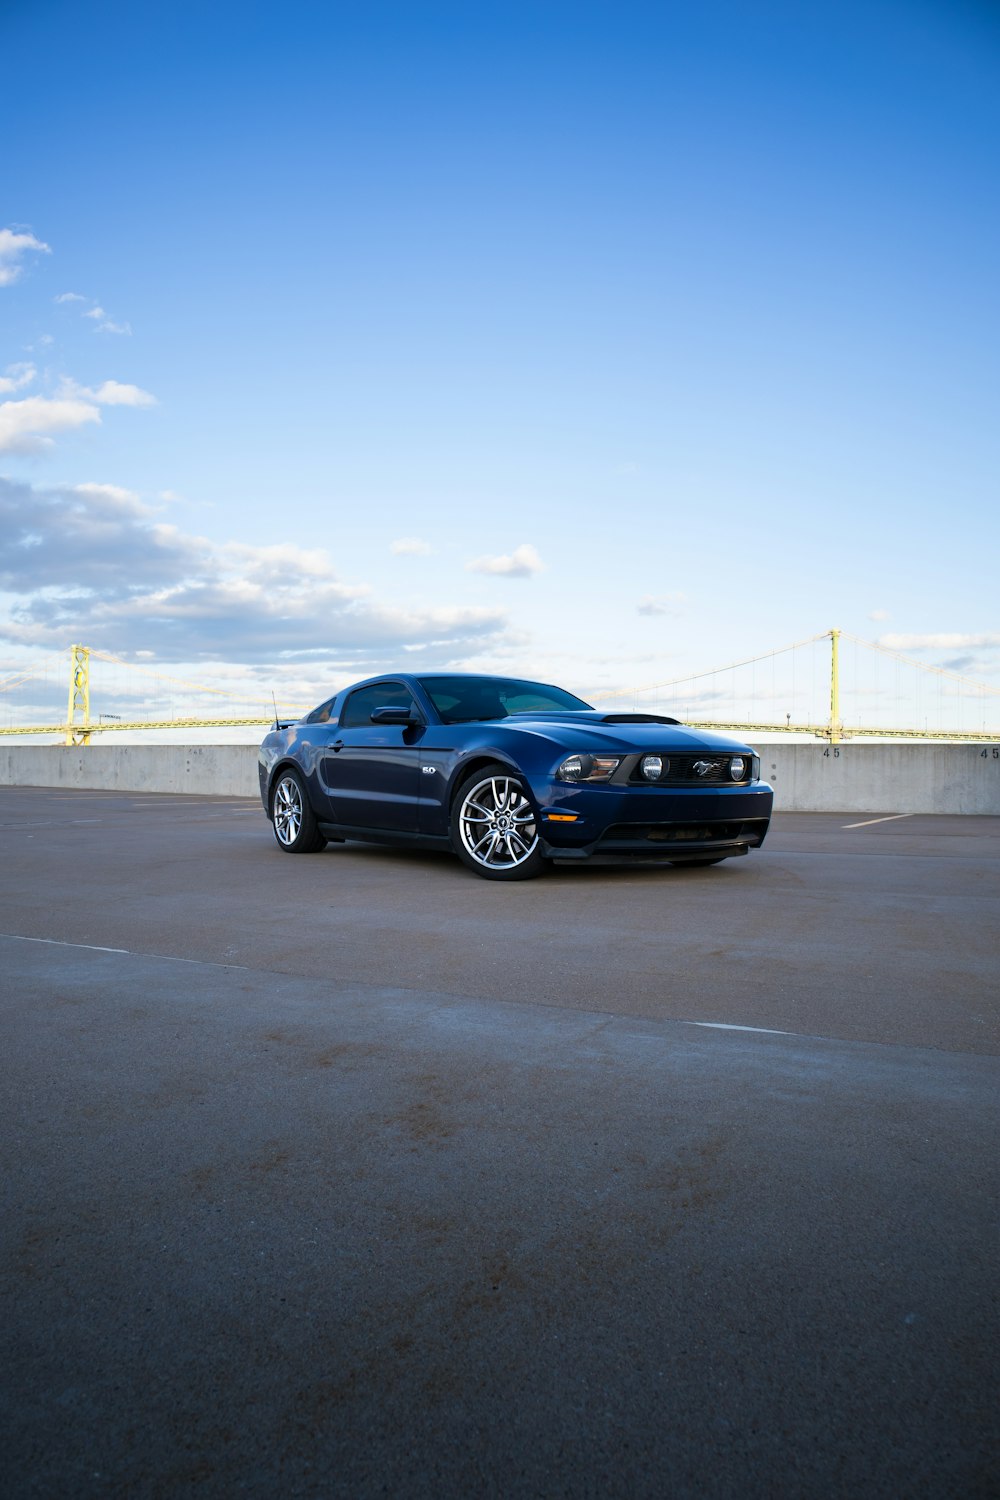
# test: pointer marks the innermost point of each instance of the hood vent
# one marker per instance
(637, 719)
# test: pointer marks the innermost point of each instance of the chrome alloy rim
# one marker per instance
(497, 824)
(287, 810)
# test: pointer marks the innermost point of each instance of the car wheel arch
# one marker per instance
(287, 763)
(478, 762)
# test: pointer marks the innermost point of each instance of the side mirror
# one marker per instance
(393, 716)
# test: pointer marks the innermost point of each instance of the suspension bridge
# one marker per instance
(833, 686)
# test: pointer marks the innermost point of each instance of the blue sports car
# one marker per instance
(509, 775)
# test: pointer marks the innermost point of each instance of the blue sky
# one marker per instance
(600, 342)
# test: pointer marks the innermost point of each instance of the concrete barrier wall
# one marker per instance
(863, 778)
(205, 770)
(884, 778)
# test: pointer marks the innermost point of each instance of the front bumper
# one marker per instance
(675, 824)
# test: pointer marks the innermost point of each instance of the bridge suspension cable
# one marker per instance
(197, 687)
(37, 669)
(750, 661)
(806, 695)
(920, 666)
(829, 721)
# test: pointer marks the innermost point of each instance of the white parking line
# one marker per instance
(169, 958)
(187, 802)
(728, 1026)
(53, 823)
(17, 937)
(890, 818)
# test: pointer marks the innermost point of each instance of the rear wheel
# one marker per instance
(293, 818)
(494, 828)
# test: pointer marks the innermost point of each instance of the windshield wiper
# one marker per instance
(479, 718)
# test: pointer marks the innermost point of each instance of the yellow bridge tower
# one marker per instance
(78, 729)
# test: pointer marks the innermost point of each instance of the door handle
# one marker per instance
(338, 745)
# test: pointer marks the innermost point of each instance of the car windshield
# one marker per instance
(464, 700)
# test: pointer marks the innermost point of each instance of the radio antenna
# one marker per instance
(275, 702)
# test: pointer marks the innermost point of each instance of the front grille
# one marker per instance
(680, 771)
(749, 831)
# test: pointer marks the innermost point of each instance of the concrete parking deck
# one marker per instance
(354, 1175)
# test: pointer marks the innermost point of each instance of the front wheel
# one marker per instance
(494, 827)
(294, 820)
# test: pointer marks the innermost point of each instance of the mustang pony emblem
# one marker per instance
(702, 767)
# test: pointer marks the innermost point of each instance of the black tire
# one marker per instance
(697, 864)
(494, 826)
(292, 817)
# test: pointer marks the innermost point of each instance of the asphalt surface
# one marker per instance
(354, 1175)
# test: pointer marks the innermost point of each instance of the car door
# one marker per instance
(371, 771)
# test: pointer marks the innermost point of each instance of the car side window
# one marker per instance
(324, 713)
(358, 708)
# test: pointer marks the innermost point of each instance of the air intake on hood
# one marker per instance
(638, 719)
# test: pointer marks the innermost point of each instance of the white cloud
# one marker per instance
(410, 546)
(282, 562)
(93, 563)
(25, 425)
(941, 641)
(521, 563)
(125, 500)
(113, 393)
(661, 604)
(97, 314)
(12, 247)
(16, 378)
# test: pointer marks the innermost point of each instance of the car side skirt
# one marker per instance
(339, 833)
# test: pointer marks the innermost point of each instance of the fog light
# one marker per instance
(651, 767)
(737, 768)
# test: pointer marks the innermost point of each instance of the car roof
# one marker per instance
(419, 678)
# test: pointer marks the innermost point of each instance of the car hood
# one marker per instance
(592, 731)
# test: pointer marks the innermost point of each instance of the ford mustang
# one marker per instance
(509, 775)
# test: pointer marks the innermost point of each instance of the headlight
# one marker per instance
(652, 767)
(737, 767)
(587, 767)
(755, 768)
